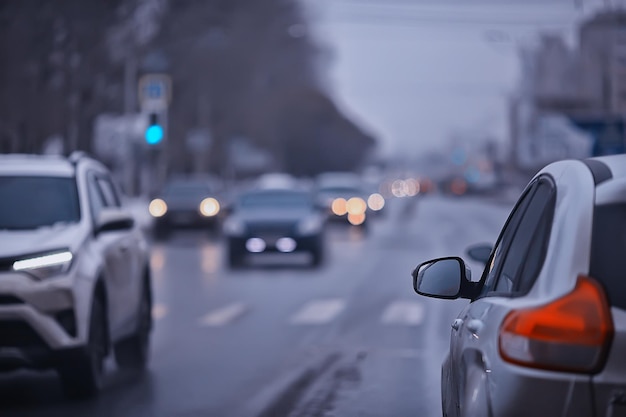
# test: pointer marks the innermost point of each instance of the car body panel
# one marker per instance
(278, 213)
(476, 379)
(117, 259)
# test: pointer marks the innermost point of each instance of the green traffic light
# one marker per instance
(154, 134)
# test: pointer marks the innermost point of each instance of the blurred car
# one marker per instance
(346, 198)
(186, 203)
(74, 271)
(274, 220)
(545, 331)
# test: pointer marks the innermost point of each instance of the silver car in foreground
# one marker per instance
(74, 271)
(545, 331)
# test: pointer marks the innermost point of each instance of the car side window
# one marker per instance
(520, 250)
(544, 204)
(96, 199)
(506, 236)
(108, 191)
(523, 251)
(523, 259)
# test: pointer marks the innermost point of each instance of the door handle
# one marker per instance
(456, 324)
(475, 326)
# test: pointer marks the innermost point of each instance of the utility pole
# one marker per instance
(130, 163)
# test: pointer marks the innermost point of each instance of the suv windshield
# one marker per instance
(33, 202)
(608, 251)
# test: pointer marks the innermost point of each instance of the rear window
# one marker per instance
(33, 202)
(608, 251)
(287, 200)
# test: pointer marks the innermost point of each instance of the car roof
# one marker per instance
(34, 165)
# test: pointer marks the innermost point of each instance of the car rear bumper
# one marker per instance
(518, 391)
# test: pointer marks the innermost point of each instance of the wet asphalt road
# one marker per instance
(282, 339)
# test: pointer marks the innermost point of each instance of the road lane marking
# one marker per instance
(409, 313)
(223, 316)
(159, 311)
(319, 311)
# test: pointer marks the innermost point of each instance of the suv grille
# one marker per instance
(8, 300)
(18, 334)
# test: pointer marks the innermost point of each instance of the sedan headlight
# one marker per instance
(45, 265)
(310, 225)
(234, 227)
(376, 202)
(356, 206)
(209, 207)
(157, 208)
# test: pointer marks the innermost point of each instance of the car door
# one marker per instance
(511, 271)
(118, 253)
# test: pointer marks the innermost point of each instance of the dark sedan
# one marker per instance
(185, 203)
(276, 221)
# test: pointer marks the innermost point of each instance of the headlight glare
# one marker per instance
(157, 208)
(209, 207)
(45, 265)
(356, 206)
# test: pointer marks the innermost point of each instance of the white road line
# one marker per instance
(409, 313)
(159, 311)
(223, 316)
(319, 311)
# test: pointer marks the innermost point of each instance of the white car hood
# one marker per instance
(15, 243)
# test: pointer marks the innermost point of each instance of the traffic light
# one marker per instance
(154, 132)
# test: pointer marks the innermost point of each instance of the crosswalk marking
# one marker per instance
(315, 312)
(222, 316)
(410, 313)
(159, 311)
(319, 311)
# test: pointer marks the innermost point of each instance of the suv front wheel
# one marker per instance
(133, 351)
(82, 374)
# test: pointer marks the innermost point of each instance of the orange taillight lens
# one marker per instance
(572, 333)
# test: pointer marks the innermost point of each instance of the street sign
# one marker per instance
(155, 92)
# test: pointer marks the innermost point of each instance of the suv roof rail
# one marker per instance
(76, 156)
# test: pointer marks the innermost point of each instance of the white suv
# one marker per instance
(74, 271)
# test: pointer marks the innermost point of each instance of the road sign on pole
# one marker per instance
(155, 92)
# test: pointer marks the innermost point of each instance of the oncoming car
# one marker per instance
(544, 333)
(274, 220)
(74, 271)
(344, 197)
(185, 203)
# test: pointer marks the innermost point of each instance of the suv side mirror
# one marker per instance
(446, 278)
(111, 220)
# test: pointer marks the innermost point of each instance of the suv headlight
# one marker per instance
(234, 227)
(45, 265)
(310, 225)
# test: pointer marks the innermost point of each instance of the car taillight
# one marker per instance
(572, 333)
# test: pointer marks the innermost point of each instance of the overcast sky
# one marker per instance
(415, 72)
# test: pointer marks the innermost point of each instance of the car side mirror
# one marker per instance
(110, 220)
(446, 278)
(480, 253)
